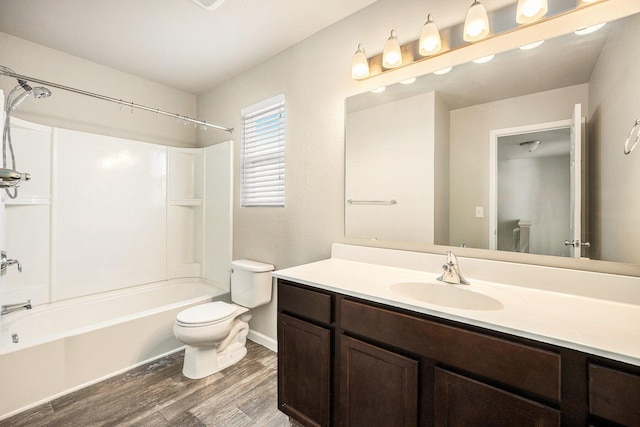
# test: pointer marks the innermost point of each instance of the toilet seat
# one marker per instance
(206, 314)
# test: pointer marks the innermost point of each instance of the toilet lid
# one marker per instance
(206, 313)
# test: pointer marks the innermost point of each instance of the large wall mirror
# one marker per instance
(523, 153)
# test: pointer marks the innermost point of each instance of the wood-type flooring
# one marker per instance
(157, 394)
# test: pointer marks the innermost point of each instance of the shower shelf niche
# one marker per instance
(185, 212)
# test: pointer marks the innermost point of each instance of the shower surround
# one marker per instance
(104, 216)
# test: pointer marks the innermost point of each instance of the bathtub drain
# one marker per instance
(15, 338)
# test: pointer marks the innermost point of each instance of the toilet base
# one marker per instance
(202, 361)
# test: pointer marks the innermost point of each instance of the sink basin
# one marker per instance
(455, 296)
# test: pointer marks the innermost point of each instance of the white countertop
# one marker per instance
(602, 327)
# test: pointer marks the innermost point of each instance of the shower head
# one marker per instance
(40, 92)
(37, 92)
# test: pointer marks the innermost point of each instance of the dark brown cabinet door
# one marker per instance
(304, 362)
(378, 387)
(614, 395)
(460, 401)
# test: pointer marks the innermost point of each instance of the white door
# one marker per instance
(575, 221)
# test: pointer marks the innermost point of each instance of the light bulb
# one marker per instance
(430, 42)
(529, 11)
(392, 55)
(360, 64)
(476, 26)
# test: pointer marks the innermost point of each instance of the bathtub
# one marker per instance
(57, 348)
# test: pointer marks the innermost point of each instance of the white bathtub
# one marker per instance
(70, 344)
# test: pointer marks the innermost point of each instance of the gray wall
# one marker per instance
(535, 189)
(613, 87)
(470, 129)
(72, 111)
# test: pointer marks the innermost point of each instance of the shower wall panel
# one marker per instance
(26, 232)
(103, 213)
(110, 213)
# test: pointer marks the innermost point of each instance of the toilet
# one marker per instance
(215, 333)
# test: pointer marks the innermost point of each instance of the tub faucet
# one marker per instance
(10, 308)
(452, 271)
(6, 262)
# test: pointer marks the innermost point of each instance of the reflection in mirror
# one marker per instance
(428, 146)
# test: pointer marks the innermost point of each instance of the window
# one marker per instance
(262, 151)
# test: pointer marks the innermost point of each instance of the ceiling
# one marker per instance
(174, 42)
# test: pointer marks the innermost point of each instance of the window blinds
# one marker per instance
(263, 137)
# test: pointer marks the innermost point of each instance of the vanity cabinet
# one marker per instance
(383, 365)
(304, 355)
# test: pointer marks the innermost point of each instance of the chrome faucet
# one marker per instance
(452, 271)
(10, 308)
(5, 262)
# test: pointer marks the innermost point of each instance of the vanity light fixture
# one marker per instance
(378, 89)
(391, 54)
(430, 42)
(589, 30)
(443, 71)
(360, 64)
(529, 11)
(531, 45)
(484, 59)
(476, 26)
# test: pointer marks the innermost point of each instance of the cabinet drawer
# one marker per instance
(614, 395)
(304, 302)
(518, 365)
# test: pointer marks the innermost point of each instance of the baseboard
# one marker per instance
(263, 340)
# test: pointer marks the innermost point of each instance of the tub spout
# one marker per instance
(10, 308)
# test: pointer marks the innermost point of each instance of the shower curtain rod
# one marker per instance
(110, 99)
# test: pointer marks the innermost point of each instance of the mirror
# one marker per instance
(425, 162)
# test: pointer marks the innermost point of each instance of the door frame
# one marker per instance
(494, 134)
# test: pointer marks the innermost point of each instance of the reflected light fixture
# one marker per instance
(589, 30)
(476, 26)
(408, 81)
(529, 11)
(391, 54)
(531, 45)
(484, 59)
(443, 71)
(378, 89)
(430, 42)
(360, 64)
(530, 146)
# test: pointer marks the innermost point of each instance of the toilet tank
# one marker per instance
(251, 283)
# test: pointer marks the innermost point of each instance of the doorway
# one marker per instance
(531, 196)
